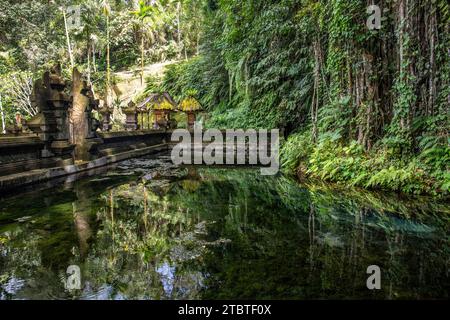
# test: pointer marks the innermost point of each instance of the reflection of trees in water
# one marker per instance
(344, 235)
(34, 257)
(150, 245)
(369, 237)
(220, 233)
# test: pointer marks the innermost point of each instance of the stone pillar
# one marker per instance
(191, 118)
(93, 124)
(157, 116)
(65, 124)
(60, 104)
(106, 120)
(131, 123)
(51, 124)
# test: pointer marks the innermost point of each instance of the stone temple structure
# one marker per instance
(51, 124)
(65, 138)
(64, 122)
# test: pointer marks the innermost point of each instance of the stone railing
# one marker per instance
(20, 153)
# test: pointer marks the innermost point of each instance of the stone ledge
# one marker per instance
(13, 181)
(112, 135)
(20, 141)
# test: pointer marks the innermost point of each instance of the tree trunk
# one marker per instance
(3, 116)
(401, 51)
(89, 62)
(230, 80)
(400, 34)
(78, 117)
(108, 70)
(316, 93)
(72, 64)
(94, 65)
(198, 43)
(179, 29)
(142, 55)
(432, 84)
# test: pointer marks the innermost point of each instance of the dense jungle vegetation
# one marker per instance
(368, 108)
(363, 107)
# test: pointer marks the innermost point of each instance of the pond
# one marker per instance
(145, 229)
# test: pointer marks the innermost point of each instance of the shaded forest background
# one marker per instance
(361, 107)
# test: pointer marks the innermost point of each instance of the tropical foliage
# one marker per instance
(365, 107)
(311, 68)
(112, 35)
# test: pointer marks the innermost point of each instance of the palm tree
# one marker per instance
(90, 23)
(145, 14)
(69, 47)
(107, 11)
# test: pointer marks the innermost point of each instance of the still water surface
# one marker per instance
(148, 230)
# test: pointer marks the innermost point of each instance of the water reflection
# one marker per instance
(149, 230)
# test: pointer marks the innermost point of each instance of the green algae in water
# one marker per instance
(153, 231)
